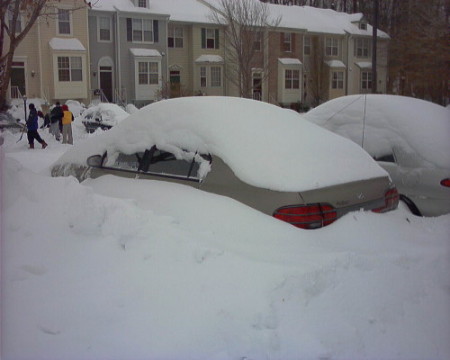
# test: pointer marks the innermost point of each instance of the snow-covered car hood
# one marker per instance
(418, 131)
(265, 145)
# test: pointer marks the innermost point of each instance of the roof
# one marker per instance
(209, 59)
(364, 64)
(290, 61)
(179, 10)
(335, 64)
(66, 44)
(304, 18)
(145, 52)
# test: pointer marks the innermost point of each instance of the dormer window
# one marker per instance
(142, 3)
(363, 25)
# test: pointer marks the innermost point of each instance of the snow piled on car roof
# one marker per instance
(106, 113)
(416, 130)
(265, 145)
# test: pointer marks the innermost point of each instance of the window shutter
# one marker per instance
(216, 42)
(129, 30)
(155, 31)
(203, 38)
(293, 42)
(282, 42)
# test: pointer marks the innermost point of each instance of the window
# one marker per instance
(175, 39)
(210, 38)
(331, 47)
(104, 26)
(216, 76)
(292, 79)
(362, 48)
(363, 25)
(257, 41)
(142, 30)
(148, 73)
(203, 79)
(64, 22)
(286, 44)
(337, 81)
(307, 45)
(70, 68)
(366, 80)
(142, 3)
(18, 21)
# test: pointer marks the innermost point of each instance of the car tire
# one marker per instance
(411, 206)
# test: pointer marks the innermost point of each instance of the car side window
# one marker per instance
(158, 162)
(166, 163)
(127, 162)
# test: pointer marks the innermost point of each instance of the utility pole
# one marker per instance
(374, 46)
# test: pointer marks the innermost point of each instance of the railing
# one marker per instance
(101, 95)
(257, 95)
(120, 98)
(15, 92)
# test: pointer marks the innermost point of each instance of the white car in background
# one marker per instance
(254, 152)
(410, 139)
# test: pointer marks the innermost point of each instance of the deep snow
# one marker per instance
(127, 269)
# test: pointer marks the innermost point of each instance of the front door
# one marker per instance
(175, 84)
(106, 82)
(257, 86)
(18, 88)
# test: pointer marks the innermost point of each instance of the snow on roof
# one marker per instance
(126, 6)
(290, 61)
(66, 44)
(265, 145)
(192, 11)
(209, 59)
(145, 52)
(179, 10)
(364, 64)
(304, 18)
(335, 64)
(382, 123)
(317, 20)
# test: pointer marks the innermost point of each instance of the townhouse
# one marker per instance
(52, 62)
(139, 51)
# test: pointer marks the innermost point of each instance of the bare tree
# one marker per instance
(247, 25)
(25, 13)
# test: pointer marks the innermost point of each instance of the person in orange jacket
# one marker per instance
(67, 125)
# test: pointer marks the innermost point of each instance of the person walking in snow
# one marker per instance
(67, 125)
(32, 127)
(55, 119)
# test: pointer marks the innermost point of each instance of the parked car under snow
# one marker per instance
(254, 152)
(408, 137)
(103, 116)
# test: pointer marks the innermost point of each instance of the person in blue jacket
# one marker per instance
(32, 127)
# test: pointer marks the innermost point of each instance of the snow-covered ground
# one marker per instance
(126, 269)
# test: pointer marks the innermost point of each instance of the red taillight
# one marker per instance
(311, 216)
(391, 199)
(445, 182)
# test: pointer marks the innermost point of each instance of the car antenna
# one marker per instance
(345, 107)
(364, 121)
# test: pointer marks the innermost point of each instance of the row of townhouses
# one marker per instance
(137, 51)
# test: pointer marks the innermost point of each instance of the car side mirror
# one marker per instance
(95, 161)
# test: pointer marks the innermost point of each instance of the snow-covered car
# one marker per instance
(103, 116)
(7, 122)
(410, 139)
(254, 152)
